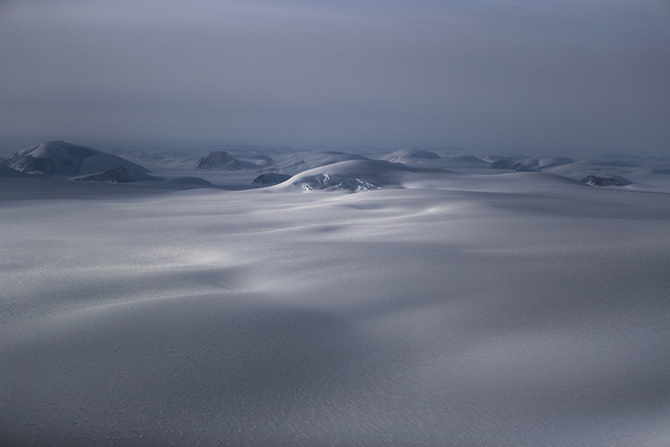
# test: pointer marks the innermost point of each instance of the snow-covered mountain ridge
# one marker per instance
(58, 158)
(241, 167)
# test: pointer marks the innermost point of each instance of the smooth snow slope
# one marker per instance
(518, 309)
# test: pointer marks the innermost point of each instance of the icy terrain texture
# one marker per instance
(439, 308)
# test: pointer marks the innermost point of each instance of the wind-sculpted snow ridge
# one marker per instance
(309, 160)
(356, 176)
(58, 158)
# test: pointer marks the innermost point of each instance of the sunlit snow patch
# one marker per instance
(205, 258)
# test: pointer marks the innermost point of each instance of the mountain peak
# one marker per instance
(219, 160)
(60, 158)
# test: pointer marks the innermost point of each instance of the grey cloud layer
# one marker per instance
(561, 75)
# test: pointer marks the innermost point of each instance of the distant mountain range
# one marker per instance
(61, 159)
(219, 160)
(309, 170)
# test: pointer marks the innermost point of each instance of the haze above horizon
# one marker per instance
(560, 75)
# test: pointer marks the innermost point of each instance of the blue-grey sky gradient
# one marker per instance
(573, 75)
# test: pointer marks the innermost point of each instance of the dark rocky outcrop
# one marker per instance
(219, 160)
(594, 180)
(118, 175)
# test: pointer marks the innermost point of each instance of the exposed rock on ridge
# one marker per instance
(594, 180)
(118, 175)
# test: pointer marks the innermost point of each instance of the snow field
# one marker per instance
(518, 309)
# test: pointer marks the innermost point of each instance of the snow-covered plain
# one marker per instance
(497, 308)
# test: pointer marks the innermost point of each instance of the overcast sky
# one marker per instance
(585, 75)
